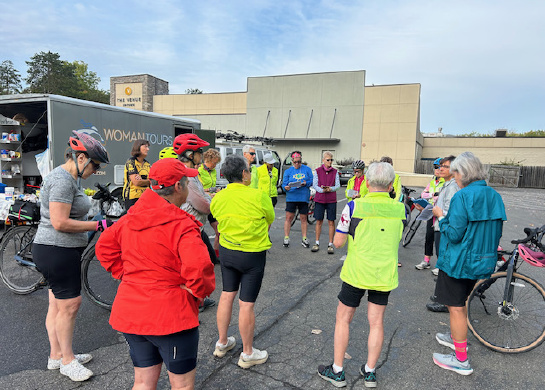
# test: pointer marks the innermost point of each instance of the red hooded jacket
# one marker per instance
(153, 250)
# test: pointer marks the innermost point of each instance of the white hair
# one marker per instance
(247, 148)
(380, 175)
(469, 167)
(327, 153)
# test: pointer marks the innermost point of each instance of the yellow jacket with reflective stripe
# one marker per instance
(208, 179)
(267, 182)
(376, 227)
(244, 215)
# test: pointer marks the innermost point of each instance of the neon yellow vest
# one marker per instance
(266, 182)
(375, 231)
(208, 179)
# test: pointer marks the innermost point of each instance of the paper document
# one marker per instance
(295, 184)
(352, 193)
(426, 214)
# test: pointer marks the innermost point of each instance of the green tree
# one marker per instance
(47, 73)
(10, 79)
(193, 91)
(88, 84)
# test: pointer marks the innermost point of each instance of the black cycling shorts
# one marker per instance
(292, 206)
(61, 267)
(351, 296)
(244, 271)
(178, 350)
(451, 291)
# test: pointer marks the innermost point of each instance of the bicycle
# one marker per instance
(406, 199)
(311, 206)
(507, 311)
(409, 233)
(20, 274)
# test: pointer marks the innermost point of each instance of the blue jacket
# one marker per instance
(300, 194)
(471, 232)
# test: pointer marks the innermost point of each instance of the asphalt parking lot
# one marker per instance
(295, 318)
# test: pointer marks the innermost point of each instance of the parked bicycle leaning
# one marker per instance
(59, 244)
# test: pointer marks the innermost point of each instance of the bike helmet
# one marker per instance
(537, 259)
(188, 141)
(437, 161)
(358, 164)
(81, 142)
(167, 152)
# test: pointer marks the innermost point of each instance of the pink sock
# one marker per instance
(427, 259)
(461, 349)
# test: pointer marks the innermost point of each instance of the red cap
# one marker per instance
(168, 171)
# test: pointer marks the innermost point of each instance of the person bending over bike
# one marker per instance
(470, 235)
(58, 245)
(356, 184)
(157, 252)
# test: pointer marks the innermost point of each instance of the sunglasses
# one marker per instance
(436, 166)
(251, 153)
(328, 159)
(357, 170)
(297, 162)
(96, 166)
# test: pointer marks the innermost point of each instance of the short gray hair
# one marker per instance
(166, 191)
(233, 167)
(380, 175)
(469, 167)
(246, 148)
(326, 153)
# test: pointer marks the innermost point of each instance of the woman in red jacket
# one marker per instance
(157, 252)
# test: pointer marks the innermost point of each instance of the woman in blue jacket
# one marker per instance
(470, 234)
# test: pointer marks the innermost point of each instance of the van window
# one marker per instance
(259, 156)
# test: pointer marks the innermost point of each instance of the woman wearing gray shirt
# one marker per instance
(59, 244)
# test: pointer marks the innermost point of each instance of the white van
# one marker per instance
(234, 148)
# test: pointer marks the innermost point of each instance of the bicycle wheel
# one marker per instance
(310, 215)
(17, 268)
(409, 234)
(516, 327)
(98, 284)
(295, 217)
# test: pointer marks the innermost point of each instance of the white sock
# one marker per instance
(218, 344)
(336, 369)
(330, 244)
(317, 242)
(368, 369)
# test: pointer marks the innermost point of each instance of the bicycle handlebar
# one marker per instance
(531, 235)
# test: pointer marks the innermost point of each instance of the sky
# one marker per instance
(481, 64)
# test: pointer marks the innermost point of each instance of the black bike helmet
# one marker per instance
(81, 142)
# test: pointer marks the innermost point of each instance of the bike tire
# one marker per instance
(98, 284)
(522, 328)
(409, 234)
(18, 277)
(310, 215)
(295, 217)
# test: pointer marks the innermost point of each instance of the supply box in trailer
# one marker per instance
(29, 124)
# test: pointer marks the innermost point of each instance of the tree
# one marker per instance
(88, 84)
(47, 73)
(10, 79)
(193, 91)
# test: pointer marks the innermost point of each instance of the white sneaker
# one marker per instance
(422, 265)
(55, 364)
(75, 371)
(257, 357)
(221, 349)
(435, 271)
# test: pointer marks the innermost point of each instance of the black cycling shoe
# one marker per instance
(206, 304)
(437, 307)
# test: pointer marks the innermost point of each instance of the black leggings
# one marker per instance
(210, 248)
(428, 244)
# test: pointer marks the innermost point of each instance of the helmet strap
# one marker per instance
(80, 174)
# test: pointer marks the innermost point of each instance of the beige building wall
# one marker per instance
(309, 112)
(526, 151)
(391, 124)
(201, 104)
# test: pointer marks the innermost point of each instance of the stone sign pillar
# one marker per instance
(136, 91)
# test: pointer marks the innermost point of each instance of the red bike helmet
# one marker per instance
(188, 141)
(81, 142)
(537, 259)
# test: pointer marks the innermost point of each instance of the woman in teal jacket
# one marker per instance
(470, 234)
